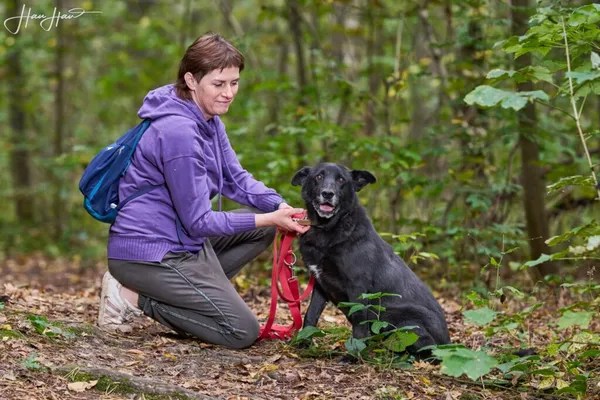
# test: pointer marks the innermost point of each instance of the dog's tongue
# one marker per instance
(326, 207)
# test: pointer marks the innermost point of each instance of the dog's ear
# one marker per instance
(300, 176)
(360, 179)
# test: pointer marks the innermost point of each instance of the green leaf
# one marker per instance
(377, 326)
(459, 361)
(355, 346)
(583, 77)
(589, 354)
(587, 230)
(572, 318)
(500, 73)
(378, 295)
(511, 289)
(308, 333)
(481, 316)
(579, 385)
(488, 96)
(1, 306)
(584, 15)
(542, 259)
(540, 74)
(30, 362)
(595, 58)
(399, 340)
(356, 308)
(40, 323)
(575, 180)
(494, 262)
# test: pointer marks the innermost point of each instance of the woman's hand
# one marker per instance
(282, 219)
(284, 205)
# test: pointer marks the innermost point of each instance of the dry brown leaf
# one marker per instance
(273, 359)
(136, 352)
(81, 386)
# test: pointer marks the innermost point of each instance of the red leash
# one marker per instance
(283, 264)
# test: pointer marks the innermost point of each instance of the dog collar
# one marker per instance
(303, 221)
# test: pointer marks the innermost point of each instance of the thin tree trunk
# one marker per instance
(226, 7)
(19, 157)
(59, 127)
(295, 20)
(187, 12)
(374, 49)
(532, 177)
(275, 99)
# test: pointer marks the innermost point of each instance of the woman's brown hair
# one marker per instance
(209, 52)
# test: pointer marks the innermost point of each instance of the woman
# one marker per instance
(170, 256)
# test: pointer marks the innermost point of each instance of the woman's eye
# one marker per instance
(319, 177)
(234, 83)
(218, 85)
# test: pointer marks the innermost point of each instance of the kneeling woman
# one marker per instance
(170, 256)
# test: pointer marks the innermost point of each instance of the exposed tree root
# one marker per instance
(120, 382)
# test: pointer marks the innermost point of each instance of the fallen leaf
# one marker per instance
(9, 376)
(81, 386)
(272, 359)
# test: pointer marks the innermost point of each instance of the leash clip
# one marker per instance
(302, 221)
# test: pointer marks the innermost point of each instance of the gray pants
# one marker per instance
(191, 293)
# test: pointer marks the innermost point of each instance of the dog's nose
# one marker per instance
(327, 194)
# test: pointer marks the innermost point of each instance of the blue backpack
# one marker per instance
(100, 181)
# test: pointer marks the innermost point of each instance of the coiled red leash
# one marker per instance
(283, 274)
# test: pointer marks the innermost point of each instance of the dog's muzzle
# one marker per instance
(326, 204)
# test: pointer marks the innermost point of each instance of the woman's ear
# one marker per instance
(190, 81)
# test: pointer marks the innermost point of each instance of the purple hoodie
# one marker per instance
(193, 160)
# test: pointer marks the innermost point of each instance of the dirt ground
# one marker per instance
(152, 362)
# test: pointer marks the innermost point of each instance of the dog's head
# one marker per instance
(327, 187)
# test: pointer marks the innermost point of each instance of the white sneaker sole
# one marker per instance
(101, 313)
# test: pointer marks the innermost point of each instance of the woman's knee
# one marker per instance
(269, 233)
(245, 334)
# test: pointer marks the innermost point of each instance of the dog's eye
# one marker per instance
(340, 180)
(319, 177)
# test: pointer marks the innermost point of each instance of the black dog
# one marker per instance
(348, 258)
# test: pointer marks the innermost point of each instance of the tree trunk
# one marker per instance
(294, 19)
(59, 128)
(374, 49)
(532, 177)
(20, 156)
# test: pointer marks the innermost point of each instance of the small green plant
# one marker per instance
(48, 328)
(30, 362)
(387, 340)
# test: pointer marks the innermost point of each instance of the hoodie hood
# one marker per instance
(163, 101)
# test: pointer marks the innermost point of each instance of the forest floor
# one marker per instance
(67, 357)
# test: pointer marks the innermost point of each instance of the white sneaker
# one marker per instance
(115, 311)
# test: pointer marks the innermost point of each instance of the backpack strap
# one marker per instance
(142, 191)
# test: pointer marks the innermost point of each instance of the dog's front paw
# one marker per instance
(348, 359)
(302, 343)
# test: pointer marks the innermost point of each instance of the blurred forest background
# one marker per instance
(372, 84)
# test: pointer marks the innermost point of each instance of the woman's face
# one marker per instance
(215, 91)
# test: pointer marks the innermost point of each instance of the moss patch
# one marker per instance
(108, 384)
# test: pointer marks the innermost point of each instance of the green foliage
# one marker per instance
(48, 328)
(571, 318)
(458, 360)
(480, 316)
(488, 96)
(30, 362)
